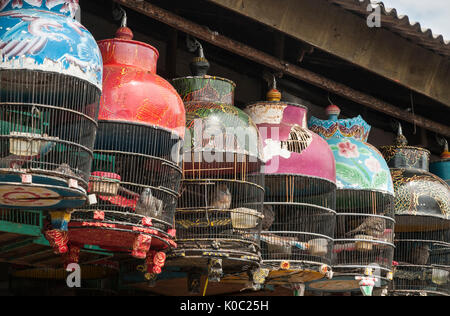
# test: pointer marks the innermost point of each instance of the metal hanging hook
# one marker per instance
(193, 45)
(442, 142)
(329, 99)
(124, 21)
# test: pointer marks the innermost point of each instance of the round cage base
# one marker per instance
(233, 260)
(294, 272)
(40, 192)
(341, 283)
(417, 293)
(230, 261)
(420, 223)
(120, 238)
(422, 279)
(120, 232)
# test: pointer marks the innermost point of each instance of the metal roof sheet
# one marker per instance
(399, 24)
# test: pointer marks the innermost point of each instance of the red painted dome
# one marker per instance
(132, 91)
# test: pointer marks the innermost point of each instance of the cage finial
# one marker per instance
(333, 112)
(400, 140)
(124, 32)
(443, 142)
(274, 94)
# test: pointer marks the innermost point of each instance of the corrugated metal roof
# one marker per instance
(400, 24)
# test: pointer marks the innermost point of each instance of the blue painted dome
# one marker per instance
(42, 35)
(359, 165)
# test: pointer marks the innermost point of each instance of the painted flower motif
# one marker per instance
(373, 164)
(285, 265)
(348, 150)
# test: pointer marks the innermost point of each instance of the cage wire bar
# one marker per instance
(137, 164)
(364, 232)
(422, 231)
(363, 244)
(219, 213)
(47, 129)
(133, 167)
(300, 238)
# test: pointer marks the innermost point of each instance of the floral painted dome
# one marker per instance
(213, 122)
(359, 165)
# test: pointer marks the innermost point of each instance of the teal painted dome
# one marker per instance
(359, 165)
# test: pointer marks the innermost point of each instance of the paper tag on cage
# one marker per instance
(73, 183)
(26, 178)
(92, 199)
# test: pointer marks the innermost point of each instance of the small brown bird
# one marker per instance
(149, 205)
(372, 226)
(65, 170)
(420, 254)
(221, 197)
(269, 217)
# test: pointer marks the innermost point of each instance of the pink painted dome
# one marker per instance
(289, 147)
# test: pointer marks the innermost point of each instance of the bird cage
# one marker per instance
(441, 167)
(137, 163)
(50, 87)
(218, 217)
(300, 192)
(422, 229)
(363, 244)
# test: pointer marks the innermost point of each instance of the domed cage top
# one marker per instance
(441, 167)
(137, 157)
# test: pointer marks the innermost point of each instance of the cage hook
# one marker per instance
(442, 141)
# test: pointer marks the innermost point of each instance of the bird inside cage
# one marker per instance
(220, 198)
(65, 170)
(269, 217)
(420, 254)
(371, 226)
(149, 205)
(279, 247)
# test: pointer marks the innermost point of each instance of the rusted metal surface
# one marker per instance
(278, 65)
